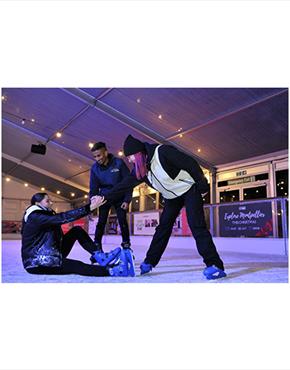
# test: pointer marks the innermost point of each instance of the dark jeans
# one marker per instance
(192, 200)
(103, 217)
(70, 266)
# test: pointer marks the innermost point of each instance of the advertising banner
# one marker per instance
(145, 223)
(248, 220)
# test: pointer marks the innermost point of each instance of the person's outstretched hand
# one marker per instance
(96, 201)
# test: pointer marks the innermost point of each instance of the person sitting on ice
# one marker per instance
(45, 248)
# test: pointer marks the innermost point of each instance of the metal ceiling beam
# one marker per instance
(132, 123)
(43, 172)
(226, 115)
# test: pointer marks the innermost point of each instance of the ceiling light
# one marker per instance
(42, 189)
(120, 153)
(58, 134)
(4, 98)
(72, 194)
(160, 116)
(91, 145)
(138, 100)
(86, 196)
(69, 160)
(23, 121)
(181, 135)
(7, 179)
(58, 192)
(199, 150)
(32, 120)
(26, 184)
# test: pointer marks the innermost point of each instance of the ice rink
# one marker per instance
(244, 260)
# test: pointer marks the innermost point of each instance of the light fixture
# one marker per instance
(181, 136)
(7, 179)
(86, 196)
(26, 185)
(58, 192)
(91, 145)
(285, 193)
(257, 191)
(138, 100)
(72, 194)
(42, 189)
(3, 97)
(180, 129)
(32, 120)
(23, 121)
(199, 150)
(58, 134)
(120, 153)
(69, 160)
(160, 116)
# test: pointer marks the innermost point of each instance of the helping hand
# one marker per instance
(97, 201)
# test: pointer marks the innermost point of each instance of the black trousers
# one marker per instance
(192, 200)
(103, 217)
(70, 266)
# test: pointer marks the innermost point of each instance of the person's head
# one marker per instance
(41, 199)
(135, 152)
(100, 153)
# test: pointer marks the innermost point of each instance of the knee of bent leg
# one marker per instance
(78, 228)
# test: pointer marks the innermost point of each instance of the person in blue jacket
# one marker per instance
(106, 172)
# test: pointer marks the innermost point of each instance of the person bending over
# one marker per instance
(180, 180)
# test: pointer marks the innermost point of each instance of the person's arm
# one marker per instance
(124, 173)
(94, 184)
(42, 219)
(184, 162)
(126, 185)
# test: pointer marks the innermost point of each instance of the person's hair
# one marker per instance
(38, 197)
(140, 165)
(98, 146)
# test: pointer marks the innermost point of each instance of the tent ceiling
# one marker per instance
(225, 124)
